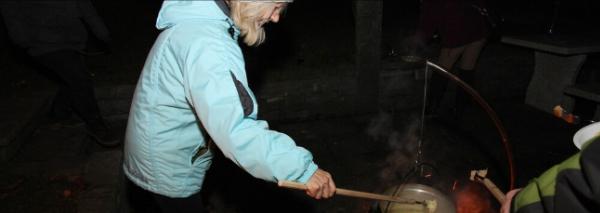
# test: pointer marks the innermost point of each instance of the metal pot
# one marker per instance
(418, 192)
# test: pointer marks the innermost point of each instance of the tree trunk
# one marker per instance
(368, 27)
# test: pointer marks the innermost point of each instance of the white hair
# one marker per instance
(246, 14)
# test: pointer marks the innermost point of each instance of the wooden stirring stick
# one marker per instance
(480, 176)
(425, 205)
(353, 193)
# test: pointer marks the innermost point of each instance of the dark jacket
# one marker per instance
(458, 22)
(46, 26)
(571, 186)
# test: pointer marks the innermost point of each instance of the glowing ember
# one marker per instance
(472, 199)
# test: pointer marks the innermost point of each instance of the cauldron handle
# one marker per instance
(488, 109)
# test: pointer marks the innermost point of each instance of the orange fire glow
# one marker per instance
(472, 198)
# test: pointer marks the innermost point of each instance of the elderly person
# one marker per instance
(193, 91)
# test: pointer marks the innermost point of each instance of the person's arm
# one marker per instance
(571, 186)
(266, 154)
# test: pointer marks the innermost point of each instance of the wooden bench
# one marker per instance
(586, 91)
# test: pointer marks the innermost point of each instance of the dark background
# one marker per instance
(315, 32)
(303, 78)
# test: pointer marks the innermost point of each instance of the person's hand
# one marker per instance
(508, 200)
(320, 185)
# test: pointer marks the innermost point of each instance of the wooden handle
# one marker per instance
(498, 194)
(479, 176)
(353, 193)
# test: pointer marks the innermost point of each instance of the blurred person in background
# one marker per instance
(54, 34)
(462, 28)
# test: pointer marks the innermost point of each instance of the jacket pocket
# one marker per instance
(199, 152)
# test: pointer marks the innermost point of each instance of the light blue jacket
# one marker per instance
(194, 82)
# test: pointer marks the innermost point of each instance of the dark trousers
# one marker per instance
(76, 90)
(145, 201)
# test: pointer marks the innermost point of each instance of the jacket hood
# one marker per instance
(173, 12)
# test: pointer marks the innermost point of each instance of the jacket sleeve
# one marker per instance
(571, 186)
(248, 142)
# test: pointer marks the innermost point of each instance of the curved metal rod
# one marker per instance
(492, 114)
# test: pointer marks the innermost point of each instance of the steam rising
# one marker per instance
(402, 143)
